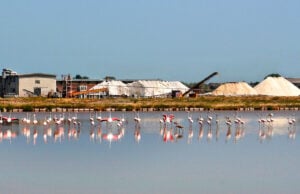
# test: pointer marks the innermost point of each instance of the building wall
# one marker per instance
(9, 86)
(74, 85)
(38, 85)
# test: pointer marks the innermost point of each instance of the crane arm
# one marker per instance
(200, 83)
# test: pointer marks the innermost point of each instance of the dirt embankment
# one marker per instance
(203, 103)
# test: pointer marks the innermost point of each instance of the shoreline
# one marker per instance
(202, 103)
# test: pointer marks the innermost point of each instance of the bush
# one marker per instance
(27, 108)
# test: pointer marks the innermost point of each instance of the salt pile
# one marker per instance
(277, 86)
(234, 89)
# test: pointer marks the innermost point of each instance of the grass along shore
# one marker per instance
(130, 104)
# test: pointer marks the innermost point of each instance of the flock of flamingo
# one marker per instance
(113, 128)
(172, 130)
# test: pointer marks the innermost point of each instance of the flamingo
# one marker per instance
(110, 119)
(92, 119)
(168, 118)
(9, 118)
(179, 131)
(24, 120)
(34, 119)
(137, 118)
(49, 118)
(190, 119)
(45, 122)
(200, 120)
(92, 122)
(99, 117)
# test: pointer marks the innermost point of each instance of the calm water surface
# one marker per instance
(143, 158)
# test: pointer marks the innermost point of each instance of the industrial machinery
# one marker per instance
(200, 83)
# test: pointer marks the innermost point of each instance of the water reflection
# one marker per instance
(7, 134)
(226, 126)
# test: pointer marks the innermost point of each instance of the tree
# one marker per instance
(108, 78)
(273, 75)
(80, 77)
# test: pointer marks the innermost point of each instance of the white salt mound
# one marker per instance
(235, 89)
(277, 86)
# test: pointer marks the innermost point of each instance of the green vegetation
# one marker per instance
(204, 102)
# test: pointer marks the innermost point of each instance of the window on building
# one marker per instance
(82, 88)
(37, 81)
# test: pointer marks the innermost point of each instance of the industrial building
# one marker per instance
(69, 87)
(13, 84)
(25, 85)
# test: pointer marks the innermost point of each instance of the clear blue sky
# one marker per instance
(169, 39)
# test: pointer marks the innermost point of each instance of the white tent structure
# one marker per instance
(143, 88)
(277, 86)
(114, 87)
(151, 88)
(175, 85)
(235, 89)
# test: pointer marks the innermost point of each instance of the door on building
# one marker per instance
(37, 91)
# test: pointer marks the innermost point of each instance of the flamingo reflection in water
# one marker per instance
(8, 134)
(27, 133)
(92, 134)
(209, 131)
(228, 124)
(292, 127)
(201, 132)
(190, 131)
(73, 133)
(99, 134)
(137, 133)
(168, 135)
(47, 132)
(59, 133)
(35, 135)
(217, 127)
(110, 135)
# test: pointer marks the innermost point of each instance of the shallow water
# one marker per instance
(253, 159)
